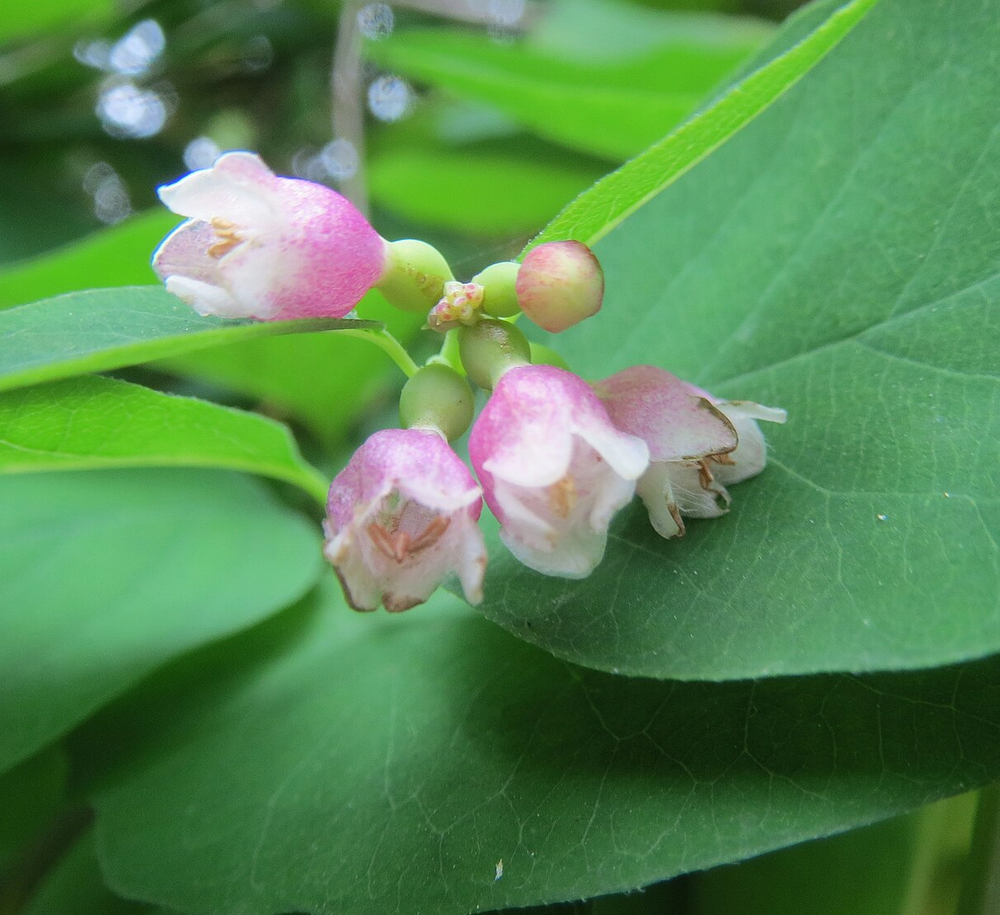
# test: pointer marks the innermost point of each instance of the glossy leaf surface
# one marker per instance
(594, 214)
(103, 329)
(94, 422)
(386, 764)
(803, 266)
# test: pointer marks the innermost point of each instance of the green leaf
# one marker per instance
(74, 885)
(385, 764)
(595, 213)
(610, 104)
(115, 256)
(103, 329)
(19, 20)
(94, 422)
(805, 266)
(30, 793)
(480, 190)
(307, 375)
(105, 575)
(608, 30)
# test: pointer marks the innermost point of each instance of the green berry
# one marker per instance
(491, 347)
(437, 397)
(415, 274)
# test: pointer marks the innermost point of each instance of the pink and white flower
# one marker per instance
(401, 516)
(697, 443)
(259, 246)
(554, 469)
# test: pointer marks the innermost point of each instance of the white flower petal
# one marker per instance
(654, 490)
(206, 299)
(209, 194)
(575, 555)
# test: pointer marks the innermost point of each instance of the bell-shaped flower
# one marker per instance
(697, 444)
(259, 246)
(554, 469)
(401, 517)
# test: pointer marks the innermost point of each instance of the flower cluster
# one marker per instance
(555, 456)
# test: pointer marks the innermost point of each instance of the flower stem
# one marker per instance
(981, 891)
(448, 354)
(389, 345)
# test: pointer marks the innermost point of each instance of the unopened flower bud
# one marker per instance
(414, 276)
(437, 397)
(499, 282)
(559, 284)
(490, 348)
(460, 304)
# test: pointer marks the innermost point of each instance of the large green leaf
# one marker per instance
(612, 103)
(385, 764)
(592, 215)
(106, 575)
(94, 422)
(74, 887)
(103, 329)
(30, 794)
(837, 258)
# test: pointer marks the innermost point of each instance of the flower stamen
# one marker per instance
(228, 238)
(398, 546)
(563, 496)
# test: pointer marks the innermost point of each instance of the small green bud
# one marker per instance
(491, 347)
(559, 284)
(544, 355)
(415, 274)
(499, 289)
(437, 397)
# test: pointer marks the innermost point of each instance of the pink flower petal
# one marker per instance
(280, 247)
(554, 469)
(658, 407)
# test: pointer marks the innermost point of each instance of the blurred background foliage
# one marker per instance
(468, 123)
(476, 120)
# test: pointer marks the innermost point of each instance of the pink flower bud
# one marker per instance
(559, 284)
(259, 246)
(401, 516)
(554, 469)
(697, 444)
